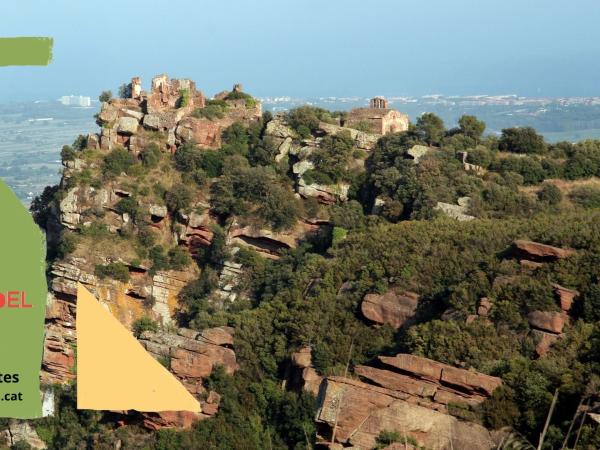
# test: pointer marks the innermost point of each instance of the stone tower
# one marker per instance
(379, 103)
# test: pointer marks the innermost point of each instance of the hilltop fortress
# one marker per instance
(178, 109)
(170, 107)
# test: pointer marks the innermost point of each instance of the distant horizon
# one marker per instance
(393, 97)
(312, 48)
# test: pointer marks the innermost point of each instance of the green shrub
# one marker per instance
(150, 156)
(117, 161)
(159, 259)
(67, 244)
(96, 230)
(586, 196)
(338, 235)
(80, 142)
(144, 324)
(129, 205)
(184, 98)
(179, 258)
(105, 96)
(179, 197)
(550, 194)
(522, 140)
(214, 109)
(305, 119)
(117, 271)
(67, 153)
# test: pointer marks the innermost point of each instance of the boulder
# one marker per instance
(458, 212)
(301, 167)
(108, 113)
(158, 211)
(328, 195)
(278, 128)
(392, 308)
(362, 140)
(164, 120)
(193, 359)
(547, 321)
(484, 306)
(467, 381)
(416, 152)
(21, 431)
(127, 125)
(222, 336)
(540, 252)
(565, 296)
(204, 132)
(361, 411)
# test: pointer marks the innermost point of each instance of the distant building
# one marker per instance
(378, 117)
(76, 100)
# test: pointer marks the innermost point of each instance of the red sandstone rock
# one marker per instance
(470, 380)
(302, 358)
(311, 380)
(361, 411)
(530, 264)
(566, 296)
(420, 367)
(547, 321)
(219, 336)
(392, 308)
(484, 306)
(544, 341)
(170, 419)
(204, 132)
(397, 382)
(536, 251)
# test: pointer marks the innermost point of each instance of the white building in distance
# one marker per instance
(76, 100)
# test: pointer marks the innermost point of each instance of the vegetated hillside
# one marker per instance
(325, 251)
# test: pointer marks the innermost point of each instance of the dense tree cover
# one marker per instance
(305, 119)
(522, 140)
(254, 192)
(388, 235)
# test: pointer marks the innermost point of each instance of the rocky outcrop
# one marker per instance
(302, 375)
(535, 251)
(22, 431)
(326, 194)
(191, 356)
(268, 242)
(565, 296)
(392, 308)
(552, 322)
(362, 140)
(407, 394)
(416, 152)
(124, 300)
(458, 211)
(168, 108)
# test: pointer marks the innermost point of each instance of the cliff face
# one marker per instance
(88, 217)
(101, 223)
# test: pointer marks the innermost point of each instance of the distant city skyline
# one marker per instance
(312, 48)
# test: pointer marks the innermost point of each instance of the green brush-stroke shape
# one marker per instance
(22, 268)
(26, 51)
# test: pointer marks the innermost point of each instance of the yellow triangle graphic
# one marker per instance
(114, 371)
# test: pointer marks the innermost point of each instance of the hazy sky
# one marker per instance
(312, 47)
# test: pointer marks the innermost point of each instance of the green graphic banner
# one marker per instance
(22, 305)
(26, 51)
